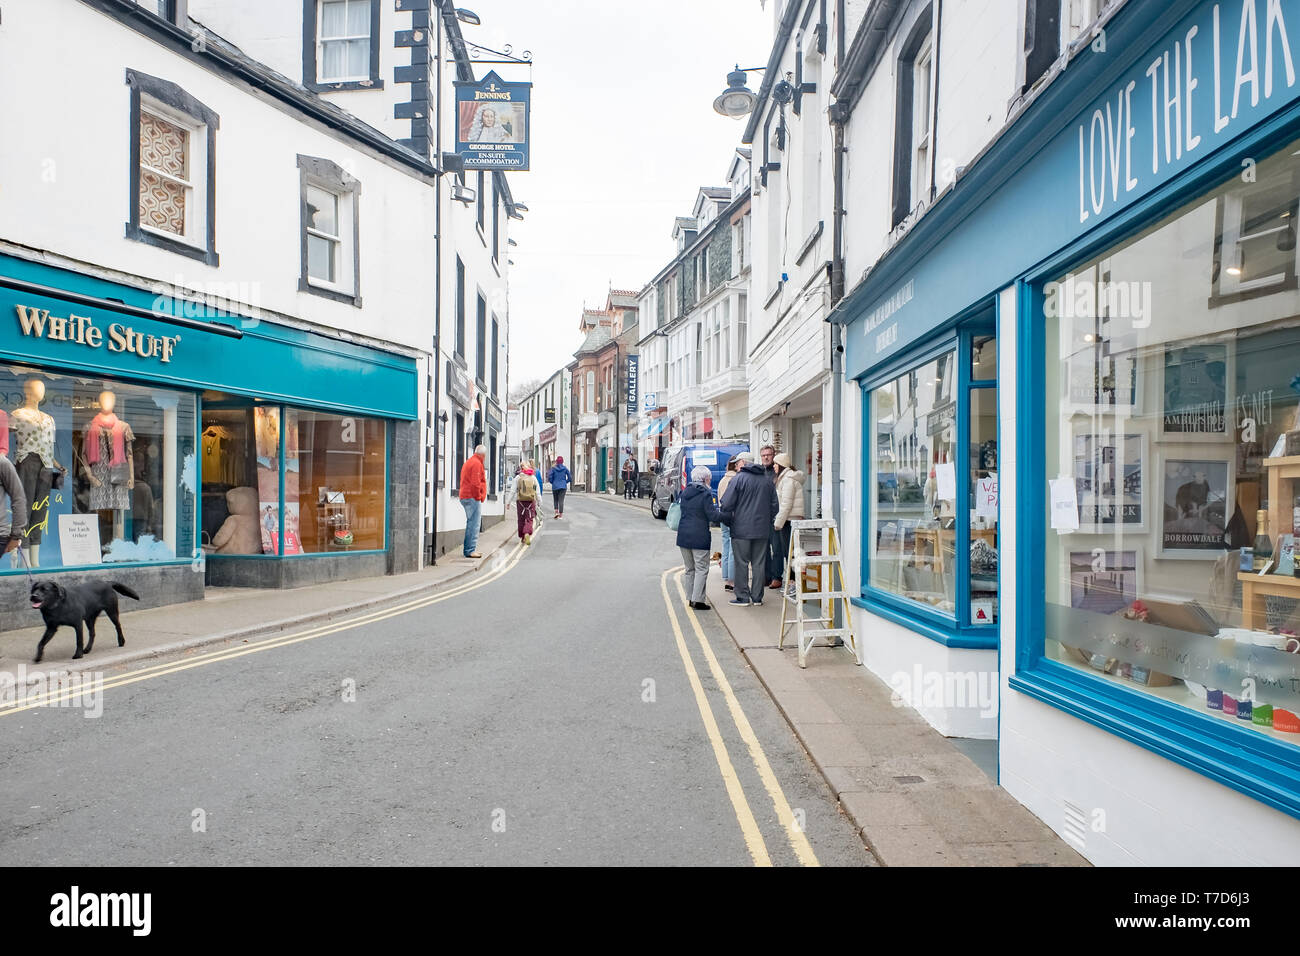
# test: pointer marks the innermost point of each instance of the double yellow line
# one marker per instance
(744, 815)
(51, 698)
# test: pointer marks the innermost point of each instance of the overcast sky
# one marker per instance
(623, 134)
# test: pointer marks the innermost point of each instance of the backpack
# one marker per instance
(527, 488)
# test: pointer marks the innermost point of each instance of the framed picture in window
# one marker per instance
(1196, 391)
(1104, 580)
(1197, 497)
(1110, 479)
(1103, 373)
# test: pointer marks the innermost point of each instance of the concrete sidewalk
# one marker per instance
(915, 798)
(232, 614)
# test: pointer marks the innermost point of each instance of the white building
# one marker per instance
(544, 421)
(1030, 514)
(694, 322)
(790, 393)
(265, 204)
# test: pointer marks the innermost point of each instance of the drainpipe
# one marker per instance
(839, 114)
(437, 287)
(934, 113)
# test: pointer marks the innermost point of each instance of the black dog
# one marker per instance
(75, 605)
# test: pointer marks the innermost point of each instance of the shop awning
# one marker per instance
(654, 428)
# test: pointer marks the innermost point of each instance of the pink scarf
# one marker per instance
(109, 421)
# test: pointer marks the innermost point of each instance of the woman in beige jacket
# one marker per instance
(789, 495)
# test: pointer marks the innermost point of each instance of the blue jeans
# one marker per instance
(728, 570)
(473, 513)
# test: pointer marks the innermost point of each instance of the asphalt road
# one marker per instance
(543, 713)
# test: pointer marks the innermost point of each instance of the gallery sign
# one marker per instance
(492, 119)
(632, 362)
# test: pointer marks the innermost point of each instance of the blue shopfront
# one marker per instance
(169, 448)
(1080, 435)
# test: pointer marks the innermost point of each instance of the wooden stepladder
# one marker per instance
(815, 557)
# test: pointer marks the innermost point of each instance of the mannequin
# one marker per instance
(109, 463)
(34, 455)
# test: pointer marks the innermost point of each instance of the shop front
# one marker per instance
(1093, 438)
(167, 451)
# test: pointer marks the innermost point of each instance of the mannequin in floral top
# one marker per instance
(34, 455)
(109, 464)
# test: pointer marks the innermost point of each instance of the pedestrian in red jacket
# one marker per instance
(473, 491)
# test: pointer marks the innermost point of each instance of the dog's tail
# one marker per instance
(123, 589)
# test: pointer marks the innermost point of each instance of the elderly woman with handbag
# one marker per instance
(694, 535)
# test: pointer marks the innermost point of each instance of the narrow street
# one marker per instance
(543, 712)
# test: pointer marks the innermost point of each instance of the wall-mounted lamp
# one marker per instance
(467, 16)
(463, 194)
(737, 99)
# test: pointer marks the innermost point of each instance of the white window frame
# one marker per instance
(922, 114)
(196, 159)
(322, 40)
(336, 241)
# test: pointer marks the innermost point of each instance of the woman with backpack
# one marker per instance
(694, 536)
(525, 491)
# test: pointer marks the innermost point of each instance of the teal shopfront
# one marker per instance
(1110, 294)
(174, 444)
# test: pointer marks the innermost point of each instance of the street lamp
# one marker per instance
(467, 16)
(737, 100)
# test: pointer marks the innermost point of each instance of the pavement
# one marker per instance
(915, 798)
(233, 614)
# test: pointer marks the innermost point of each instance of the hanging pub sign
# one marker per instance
(492, 123)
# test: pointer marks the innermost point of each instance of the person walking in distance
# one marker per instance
(473, 491)
(560, 480)
(789, 497)
(525, 491)
(694, 536)
(728, 564)
(629, 478)
(750, 503)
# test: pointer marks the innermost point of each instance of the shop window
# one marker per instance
(330, 241)
(240, 445)
(933, 524)
(341, 44)
(914, 460)
(107, 469)
(1169, 563)
(173, 169)
(335, 481)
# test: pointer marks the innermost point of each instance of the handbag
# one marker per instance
(674, 516)
(119, 474)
